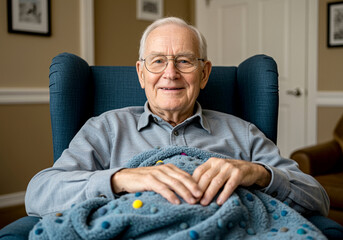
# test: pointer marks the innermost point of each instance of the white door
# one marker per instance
(238, 29)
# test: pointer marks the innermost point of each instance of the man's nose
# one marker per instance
(171, 72)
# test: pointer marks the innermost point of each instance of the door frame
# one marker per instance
(311, 72)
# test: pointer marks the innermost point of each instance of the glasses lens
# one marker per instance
(156, 63)
(186, 63)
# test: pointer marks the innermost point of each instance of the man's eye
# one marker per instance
(184, 61)
(158, 61)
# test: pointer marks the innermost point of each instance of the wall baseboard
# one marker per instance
(24, 95)
(12, 199)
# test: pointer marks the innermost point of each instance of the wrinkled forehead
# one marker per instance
(171, 39)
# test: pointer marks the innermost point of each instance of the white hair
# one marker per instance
(177, 21)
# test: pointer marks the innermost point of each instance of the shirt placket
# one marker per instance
(177, 136)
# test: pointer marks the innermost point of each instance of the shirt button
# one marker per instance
(102, 196)
(155, 119)
(176, 133)
(274, 194)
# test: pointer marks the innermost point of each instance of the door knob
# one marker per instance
(296, 92)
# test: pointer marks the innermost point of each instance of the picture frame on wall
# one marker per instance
(29, 17)
(335, 24)
(149, 10)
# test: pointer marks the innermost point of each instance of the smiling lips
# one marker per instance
(171, 88)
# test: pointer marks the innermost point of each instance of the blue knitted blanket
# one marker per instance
(147, 215)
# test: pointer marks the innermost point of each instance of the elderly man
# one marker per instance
(172, 69)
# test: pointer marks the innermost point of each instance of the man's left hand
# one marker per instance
(216, 173)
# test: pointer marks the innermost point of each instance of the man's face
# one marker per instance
(171, 90)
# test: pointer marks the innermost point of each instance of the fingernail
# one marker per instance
(192, 201)
(177, 201)
(198, 194)
(219, 201)
(203, 202)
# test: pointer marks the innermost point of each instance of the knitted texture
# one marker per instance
(147, 215)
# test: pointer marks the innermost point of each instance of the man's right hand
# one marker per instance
(164, 179)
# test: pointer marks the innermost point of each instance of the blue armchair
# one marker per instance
(78, 92)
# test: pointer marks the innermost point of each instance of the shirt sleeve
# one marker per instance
(82, 172)
(288, 184)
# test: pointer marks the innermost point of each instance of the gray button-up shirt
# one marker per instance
(107, 142)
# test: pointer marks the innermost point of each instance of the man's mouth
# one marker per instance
(171, 88)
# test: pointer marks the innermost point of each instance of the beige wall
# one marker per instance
(25, 135)
(326, 121)
(330, 76)
(25, 59)
(25, 144)
(117, 31)
(330, 60)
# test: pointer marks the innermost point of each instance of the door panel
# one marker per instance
(238, 29)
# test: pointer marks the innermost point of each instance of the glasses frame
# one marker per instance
(173, 59)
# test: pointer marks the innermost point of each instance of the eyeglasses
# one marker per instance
(184, 63)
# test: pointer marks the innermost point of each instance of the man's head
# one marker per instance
(177, 21)
(172, 86)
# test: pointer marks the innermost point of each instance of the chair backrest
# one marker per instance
(79, 91)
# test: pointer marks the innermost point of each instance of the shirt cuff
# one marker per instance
(99, 184)
(279, 186)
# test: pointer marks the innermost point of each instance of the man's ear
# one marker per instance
(205, 74)
(139, 69)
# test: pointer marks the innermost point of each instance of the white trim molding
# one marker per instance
(312, 75)
(12, 199)
(87, 31)
(24, 95)
(330, 99)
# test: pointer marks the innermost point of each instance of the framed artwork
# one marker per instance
(29, 17)
(149, 9)
(335, 24)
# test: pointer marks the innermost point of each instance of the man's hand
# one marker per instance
(229, 174)
(164, 179)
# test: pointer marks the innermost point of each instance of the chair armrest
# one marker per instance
(331, 229)
(319, 159)
(18, 230)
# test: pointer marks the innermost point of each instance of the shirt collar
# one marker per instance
(148, 117)
(145, 117)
